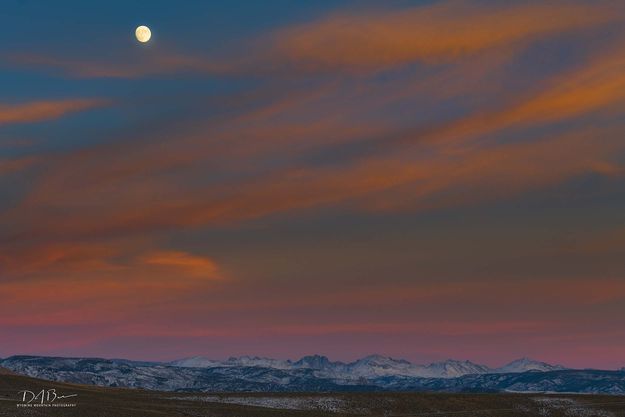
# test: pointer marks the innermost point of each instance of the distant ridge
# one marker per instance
(371, 366)
(317, 373)
(526, 364)
(368, 367)
(5, 371)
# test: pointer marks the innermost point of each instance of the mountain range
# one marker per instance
(317, 373)
(370, 366)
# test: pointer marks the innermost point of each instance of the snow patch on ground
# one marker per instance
(328, 404)
(571, 408)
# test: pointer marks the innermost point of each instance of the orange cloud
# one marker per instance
(482, 173)
(8, 166)
(93, 282)
(62, 257)
(441, 32)
(396, 180)
(86, 258)
(39, 111)
(356, 40)
(194, 265)
(597, 86)
(131, 66)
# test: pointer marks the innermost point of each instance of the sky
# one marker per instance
(419, 179)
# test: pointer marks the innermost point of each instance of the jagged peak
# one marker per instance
(380, 358)
(527, 364)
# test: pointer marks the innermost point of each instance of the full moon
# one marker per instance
(143, 34)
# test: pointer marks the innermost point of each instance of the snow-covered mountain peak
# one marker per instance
(377, 365)
(381, 360)
(452, 368)
(195, 362)
(159, 376)
(526, 364)
(371, 366)
(314, 362)
(258, 361)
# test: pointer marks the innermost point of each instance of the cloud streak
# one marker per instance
(43, 110)
(181, 261)
(358, 41)
(443, 31)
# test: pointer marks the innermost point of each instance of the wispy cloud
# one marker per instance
(444, 31)
(151, 63)
(350, 40)
(181, 261)
(38, 111)
(8, 166)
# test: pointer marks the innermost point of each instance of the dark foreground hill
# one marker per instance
(91, 401)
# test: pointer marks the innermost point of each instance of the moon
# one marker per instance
(143, 34)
